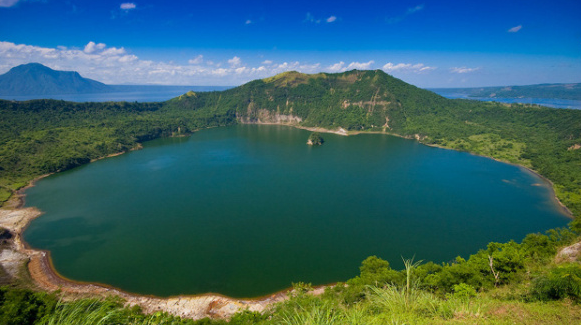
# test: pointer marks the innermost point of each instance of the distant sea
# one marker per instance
(125, 93)
(549, 102)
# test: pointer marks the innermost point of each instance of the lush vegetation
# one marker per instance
(561, 91)
(488, 287)
(45, 136)
(537, 137)
(315, 139)
(501, 283)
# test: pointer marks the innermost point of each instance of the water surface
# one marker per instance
(246, 210)
(549, 102)
(124, 93)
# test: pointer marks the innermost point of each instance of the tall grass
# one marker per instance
(84, 312)
(323, 313)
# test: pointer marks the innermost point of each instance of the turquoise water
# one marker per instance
(246, 210)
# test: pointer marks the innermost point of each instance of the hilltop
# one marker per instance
(37, 79)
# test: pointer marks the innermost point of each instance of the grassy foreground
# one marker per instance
(506, 283)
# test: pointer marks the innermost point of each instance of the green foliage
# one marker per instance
(45, 136)
(247, 317)
(315, 139)
(373, 271)
(463, 292)
(301, 288)
(560, 282)
(5, 194)
(23, 306)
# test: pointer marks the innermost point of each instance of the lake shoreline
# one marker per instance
(418, 138)
(46, 277)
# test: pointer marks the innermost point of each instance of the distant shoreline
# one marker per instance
(343, 132)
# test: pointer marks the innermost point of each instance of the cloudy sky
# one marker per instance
(426, 43)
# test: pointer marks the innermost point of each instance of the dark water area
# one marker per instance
(549, 102)
(125, 94)
(247, 210)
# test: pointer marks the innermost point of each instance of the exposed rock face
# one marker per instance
(264, 116)
(569, 253)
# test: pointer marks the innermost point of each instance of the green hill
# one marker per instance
(43, 136)
(502, 283)
(37, 79)
(540, 138)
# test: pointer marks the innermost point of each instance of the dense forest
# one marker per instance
(45, 136)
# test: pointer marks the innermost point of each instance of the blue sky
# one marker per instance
(426, 43)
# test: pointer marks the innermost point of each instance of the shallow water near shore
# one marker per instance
(246, 210)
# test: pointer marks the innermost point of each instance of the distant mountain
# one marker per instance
(37, 79)
(557, 91)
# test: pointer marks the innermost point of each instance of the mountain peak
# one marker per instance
(37, 79)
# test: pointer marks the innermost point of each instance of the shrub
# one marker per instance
(560, 282)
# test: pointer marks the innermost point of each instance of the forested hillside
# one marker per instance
(502, 283)
(544, 139)
(45, 136)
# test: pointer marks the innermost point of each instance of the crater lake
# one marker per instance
(246, 210)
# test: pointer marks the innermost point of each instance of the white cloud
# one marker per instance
(341, 67)
(463, 70)
(331, 19)
(360, 65)
(197, 60)
(401, 17)
(127, 6)
(8, 3)
(92, 47)
(235, 62)
(407, 67)
(116, 65)
(515, 29)
(337, 67)
(248, 22)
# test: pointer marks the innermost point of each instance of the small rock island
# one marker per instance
(315, 139)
